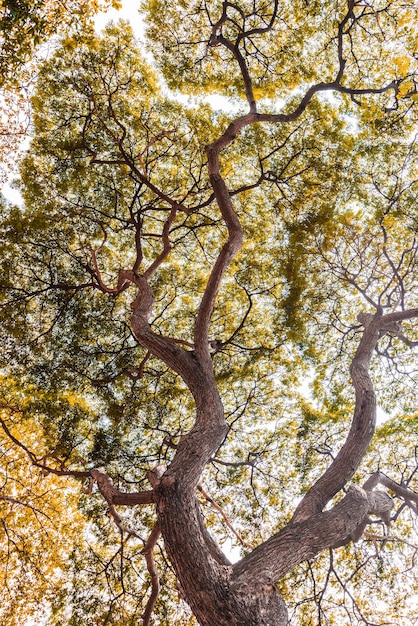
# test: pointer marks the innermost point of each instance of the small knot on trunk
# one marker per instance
(365, 319)
(380, 505)
(154, 475)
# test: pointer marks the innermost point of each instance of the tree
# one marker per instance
(25, 28)
(176, 277)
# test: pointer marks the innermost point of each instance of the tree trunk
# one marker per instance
(205, 574)
(244, 594)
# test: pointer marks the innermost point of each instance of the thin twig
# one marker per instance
(224, 515)
(148, 552)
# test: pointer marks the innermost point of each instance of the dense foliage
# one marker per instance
(122, 285)
(27, 31)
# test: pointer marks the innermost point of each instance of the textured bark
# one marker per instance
(215, 596)
(245, 594)
(300, 541)
(204, 573)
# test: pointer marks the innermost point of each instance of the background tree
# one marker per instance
(200, 394)
(26, 29)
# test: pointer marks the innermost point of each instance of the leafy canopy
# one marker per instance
(116, 180)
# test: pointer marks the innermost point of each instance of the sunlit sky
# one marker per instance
(129, 11)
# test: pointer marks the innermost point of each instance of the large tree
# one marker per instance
(197, 306)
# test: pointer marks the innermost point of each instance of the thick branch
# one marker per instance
(229, 250)
(362, 428)
(166, 245)
(108, 491)
(400, 490)
(244, 71)
(131, 499)
(164, 348)
(300, 541)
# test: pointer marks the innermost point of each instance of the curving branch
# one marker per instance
(114, 496)
(301, 540)
(363, 424)
(409, 496)
(95, 272)
(223, 196)
(228, 252)
(168, 350)
(249, 92)
(166, 245)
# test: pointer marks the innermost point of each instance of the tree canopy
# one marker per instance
(27, 30)
(203, 311)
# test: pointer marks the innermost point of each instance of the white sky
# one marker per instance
(129, 11)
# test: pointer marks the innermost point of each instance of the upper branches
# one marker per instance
(243, 34)
(222, 194)
(244, 49)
